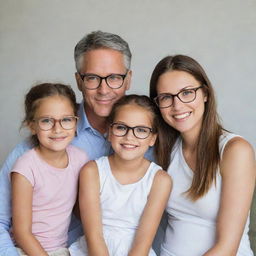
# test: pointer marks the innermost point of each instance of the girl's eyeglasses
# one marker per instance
(47, 123)
(140, 132)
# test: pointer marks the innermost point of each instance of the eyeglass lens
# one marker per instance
(114, 81)
(166, 99)
(66, 123)
(139, 132)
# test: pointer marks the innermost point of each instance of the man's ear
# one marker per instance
(78, 81)
(128, 80)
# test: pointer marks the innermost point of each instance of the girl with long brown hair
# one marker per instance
(213, 170)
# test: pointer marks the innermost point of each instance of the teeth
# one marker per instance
(59, 138)
(182, 115)
(129, 146)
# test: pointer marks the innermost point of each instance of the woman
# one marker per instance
(213, 171)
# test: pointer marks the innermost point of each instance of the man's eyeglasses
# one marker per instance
(92, 81)
(165, 100)
(140, 132)
(47, 123)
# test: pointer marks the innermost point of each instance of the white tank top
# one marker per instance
(192, 225)
(122, 205)
(121, 209)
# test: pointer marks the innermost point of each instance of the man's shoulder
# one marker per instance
(18, 151)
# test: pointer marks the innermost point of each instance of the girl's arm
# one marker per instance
(22, 192)
(90, 211)
(152, 214)
(238, 172)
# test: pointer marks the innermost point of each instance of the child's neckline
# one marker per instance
(43, 160)
(127, 184)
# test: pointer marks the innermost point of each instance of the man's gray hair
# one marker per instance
(100, 40)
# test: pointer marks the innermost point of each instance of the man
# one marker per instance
(103, 76)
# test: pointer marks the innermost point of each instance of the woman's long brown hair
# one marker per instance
(207, 155)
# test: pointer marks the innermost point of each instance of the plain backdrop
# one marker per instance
(37, 38)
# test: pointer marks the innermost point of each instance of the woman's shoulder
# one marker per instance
(239, 155)
(233, 142)
(238, 146)
(225, 139)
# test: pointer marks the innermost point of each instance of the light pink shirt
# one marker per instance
(54, 195)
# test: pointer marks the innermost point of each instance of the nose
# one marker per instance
(57, 126)
(176, 102)
(129, 133)
(103, 88)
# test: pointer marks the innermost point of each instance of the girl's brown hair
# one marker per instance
(207, 155)
(41, 91)
(140, 100)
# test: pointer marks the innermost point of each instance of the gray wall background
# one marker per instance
(37, 39)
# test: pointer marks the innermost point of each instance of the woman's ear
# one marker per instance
(205, 95)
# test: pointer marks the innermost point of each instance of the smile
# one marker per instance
(58, 138)
(128, 146)
(104, 101)
(182, 116)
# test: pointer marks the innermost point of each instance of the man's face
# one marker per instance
(102, 62)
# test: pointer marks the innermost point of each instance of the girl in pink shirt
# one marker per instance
(44, 179)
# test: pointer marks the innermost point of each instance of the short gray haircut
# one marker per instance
(101, 40)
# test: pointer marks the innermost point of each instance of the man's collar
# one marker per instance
(83, 122)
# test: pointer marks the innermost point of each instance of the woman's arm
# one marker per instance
(22, 192)
(90, 210)
(238, 172)
(158, 197)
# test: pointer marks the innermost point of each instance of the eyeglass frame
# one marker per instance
(131, 128)
(55, 121)
(177, 95)
(103, 78)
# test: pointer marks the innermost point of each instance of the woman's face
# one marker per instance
(184, 117)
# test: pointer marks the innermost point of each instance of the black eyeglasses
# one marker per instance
(165, 100)
(140, 132)
(47, 123)
(92, 81)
